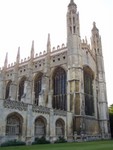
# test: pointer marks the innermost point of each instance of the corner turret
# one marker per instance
(72, 19)
(100, 82)
(72, 5)
(96, 40)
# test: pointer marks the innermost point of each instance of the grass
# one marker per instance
(99, 145)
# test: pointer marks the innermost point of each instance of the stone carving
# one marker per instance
(41, 109)
(15, 105)
(60, 112)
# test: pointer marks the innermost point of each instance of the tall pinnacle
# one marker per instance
(32, 49)
(18, 56)
(94, 26)
(72, 3)
(6, 61)
(48, 43)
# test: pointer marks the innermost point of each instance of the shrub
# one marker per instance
(41, 140)
(13, 143)
(60, 140)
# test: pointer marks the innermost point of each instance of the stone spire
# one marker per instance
(95, 30)
(6, 61)
(18, 56)
(94, 26)
(96, 40)
(101, 82)
(32, 50)
(48, 44)
(73, 26)
(72, 3)
(31, 55)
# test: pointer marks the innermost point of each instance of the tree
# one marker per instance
(111, 118)
(111, 109)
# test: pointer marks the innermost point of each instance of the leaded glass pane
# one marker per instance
(88, 93)
(37, 87)
(59, 89)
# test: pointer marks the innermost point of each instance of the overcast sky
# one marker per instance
(22, 21)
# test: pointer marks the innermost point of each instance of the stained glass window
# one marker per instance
(21, 88)
(59, 89)
(88, 92)
(37, 87)
(7, 90)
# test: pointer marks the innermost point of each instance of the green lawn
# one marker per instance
(99, 145)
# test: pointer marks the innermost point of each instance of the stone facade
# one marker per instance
(61, 92)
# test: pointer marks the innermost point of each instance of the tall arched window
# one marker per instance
(88, 91)
(7, 89)
(59, 89)
(21, 88)
(14, 125)
(40, 127)
(60, 128)
(37, 87)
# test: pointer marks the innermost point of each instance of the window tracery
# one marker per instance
(59, 128)
(13, 126)
(37, 87)
(88, 92)
(21, 88)
(59, 89)
(8, 89)
(40, 127)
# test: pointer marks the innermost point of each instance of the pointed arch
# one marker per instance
(88, 90)
(8, 89)
(37, 86)
(59, 89)
(40, 126)
(21, 87)
(60, 128)
(14, 124)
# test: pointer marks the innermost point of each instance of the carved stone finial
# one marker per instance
(94, 24)
(32, 49)
(6, 61)
(18, 55)
(71, 3)
(48, 43)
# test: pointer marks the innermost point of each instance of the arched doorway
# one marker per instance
(60, 128)
(14, 125)
(40, 127)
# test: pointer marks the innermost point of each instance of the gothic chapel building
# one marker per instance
(58, 93)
